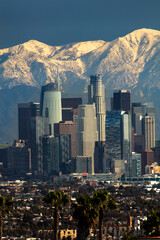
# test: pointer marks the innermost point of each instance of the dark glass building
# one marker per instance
(118, 142)
(39, 128)
(71, 102)
(69, 108)
(122, 100)
(113, 144)
(56, 154)
(19, 158)
(50, 155)
(65, 153)
(25, 112)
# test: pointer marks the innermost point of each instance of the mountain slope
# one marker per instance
(126, 62)
(130, 62)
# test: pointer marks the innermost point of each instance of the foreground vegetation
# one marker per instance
(93, 210)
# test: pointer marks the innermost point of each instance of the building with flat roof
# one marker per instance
(50, 147)
(148, 131)
(136, 164)
(122, 100)
(70, 128)
(19, 158)
(25, 112)
(87, 133)
(147, 158)
(118, 142)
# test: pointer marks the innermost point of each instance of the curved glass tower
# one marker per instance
(50, 104)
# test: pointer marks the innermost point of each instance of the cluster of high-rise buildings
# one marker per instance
(62, 135)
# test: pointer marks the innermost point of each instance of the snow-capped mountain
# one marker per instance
(130, 62)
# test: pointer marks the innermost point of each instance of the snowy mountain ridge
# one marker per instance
(129, 62)
(122, 62)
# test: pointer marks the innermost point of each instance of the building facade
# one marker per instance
(39, 128)
(64, 153)
(50, 147)
(148, 131)
(68, 127)
(147, 158)
(50, 105)
(69, 109)
(122, 100)
(19, 158)
(96, 94)
(25, 112)
(87, 133)
(136, 164)
(118, 142)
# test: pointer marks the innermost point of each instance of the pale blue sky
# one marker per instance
(57, 22)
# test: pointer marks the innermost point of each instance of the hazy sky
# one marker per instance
(58, 22)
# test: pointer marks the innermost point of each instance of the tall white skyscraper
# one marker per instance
(96, 94)
(50, 105)
(87, 133)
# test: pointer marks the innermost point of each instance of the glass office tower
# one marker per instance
(118, 142)
(50, 104)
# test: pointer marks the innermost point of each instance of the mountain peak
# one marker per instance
(146, 31)
(143, 32)
(120, 62)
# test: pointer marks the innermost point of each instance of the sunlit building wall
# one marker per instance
(50, 105)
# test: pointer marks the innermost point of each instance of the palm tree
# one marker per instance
(57, 199)
(102, 201)
(5, 205)
(152, 224)
(86, 215)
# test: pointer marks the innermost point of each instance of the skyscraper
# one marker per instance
(118, 142)
(70, 128)
(148, 131)
(39, 128)
(70, 108)
(87, 133)
(50, 155)
(50, 105)
(96, 94)
(139, 111)
(65, 153)
(122, 100)
(136, 164)
(25, 112)
(143, 121)
(19, 158)
(71, 102)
